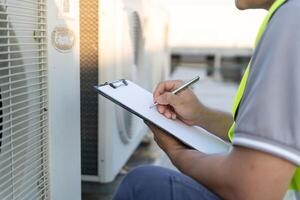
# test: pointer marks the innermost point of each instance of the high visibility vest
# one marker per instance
(295, 183)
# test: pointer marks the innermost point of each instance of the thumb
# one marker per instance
(168, 98)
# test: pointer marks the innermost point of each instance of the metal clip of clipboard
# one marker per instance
(116, 84)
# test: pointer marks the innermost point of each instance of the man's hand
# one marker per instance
(167, 143)
(184, 105)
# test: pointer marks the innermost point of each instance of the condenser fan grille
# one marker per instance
(23, 100)
(137, 37)
(126, 121)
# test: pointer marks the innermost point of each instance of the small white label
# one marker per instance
(63, 39)
(66, 9)
(66, 6)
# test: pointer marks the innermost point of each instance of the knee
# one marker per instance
(142, 181)
(143, 175)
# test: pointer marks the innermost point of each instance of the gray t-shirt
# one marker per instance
(269, 114)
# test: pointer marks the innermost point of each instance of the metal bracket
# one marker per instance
(116, 84)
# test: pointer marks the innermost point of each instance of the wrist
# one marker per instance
(202, 113)
(175, 154)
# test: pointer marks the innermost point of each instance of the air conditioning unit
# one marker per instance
(24, 136)
(39, 88)
(157, 34)
(117, 49)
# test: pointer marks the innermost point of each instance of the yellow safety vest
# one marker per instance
(295, 183)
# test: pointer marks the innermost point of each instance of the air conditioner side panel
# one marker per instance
(64, 105)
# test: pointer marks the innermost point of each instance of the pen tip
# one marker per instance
(152, 106)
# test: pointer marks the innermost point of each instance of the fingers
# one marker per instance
(170, 114)
(167, 111)
(168, 98)
(152, 127)
(166, 86)
(161, 109)
(148, 123)
(163, 96)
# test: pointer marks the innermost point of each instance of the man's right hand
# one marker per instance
(184, 105)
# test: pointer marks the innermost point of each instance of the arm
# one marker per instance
(215, 121)
(242, 174)
(190, 110)
(245, 173)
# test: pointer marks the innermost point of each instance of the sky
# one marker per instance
(212, 23)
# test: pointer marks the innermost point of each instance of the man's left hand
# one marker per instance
(166, 142)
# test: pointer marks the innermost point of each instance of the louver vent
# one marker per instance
(127, 121)
(23, 100)
(137, 38)
(89, 64)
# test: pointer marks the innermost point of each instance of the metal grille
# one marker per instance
(137, 38)
(89, 78)
(134, 69)
(23, 100)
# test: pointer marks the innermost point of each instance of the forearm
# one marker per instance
(237, 175)
(215, 121)
(205, 169)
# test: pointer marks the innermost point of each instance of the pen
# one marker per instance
(183, 87)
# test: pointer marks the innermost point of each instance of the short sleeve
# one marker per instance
(269, 114)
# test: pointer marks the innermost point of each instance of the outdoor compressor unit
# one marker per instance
(24, 137)
(39, 100)
(115, 44)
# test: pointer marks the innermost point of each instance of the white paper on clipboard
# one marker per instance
(137, 100)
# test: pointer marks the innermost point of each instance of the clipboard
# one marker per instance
(137, 100)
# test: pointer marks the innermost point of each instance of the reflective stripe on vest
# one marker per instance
(295, 183)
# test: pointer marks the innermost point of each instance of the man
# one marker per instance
(265, 131)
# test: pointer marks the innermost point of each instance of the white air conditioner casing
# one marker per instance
(157, 33)
(124, 51)
(39, 100)
(64, 98)
(24, 137)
